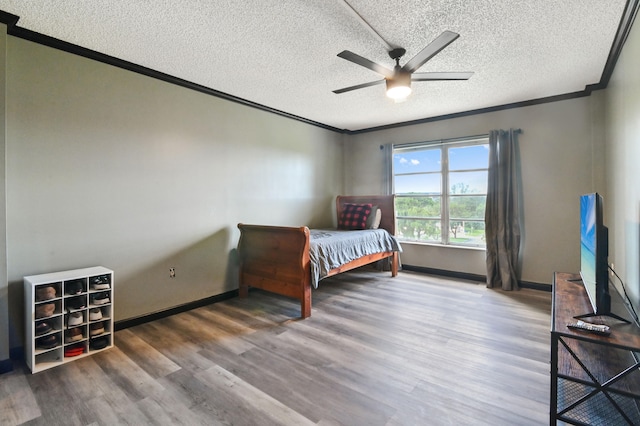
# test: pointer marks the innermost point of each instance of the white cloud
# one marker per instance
(411, 161)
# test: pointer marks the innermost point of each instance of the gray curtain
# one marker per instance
(502, 214)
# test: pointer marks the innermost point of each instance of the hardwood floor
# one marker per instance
(410, 350)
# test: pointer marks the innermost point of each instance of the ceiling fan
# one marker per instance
(399, 79)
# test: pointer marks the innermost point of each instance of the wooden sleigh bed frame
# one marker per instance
(276, 258)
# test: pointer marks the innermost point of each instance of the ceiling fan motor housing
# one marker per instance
(397, 53)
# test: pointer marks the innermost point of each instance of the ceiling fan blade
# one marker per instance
(439, 76)
(359, 86)
(357, 59)
(431, 50)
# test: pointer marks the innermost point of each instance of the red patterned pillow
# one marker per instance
(354, 216)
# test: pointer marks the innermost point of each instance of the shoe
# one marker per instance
(96, 328)
(75, 318)
(47, 342)
(74, 350)
(99, 343)
(75, 303)
(45, 310)
(68, 353)
(45, 293)
(100, 282)
(100, 298)
(43, 328)
(74, 335)
(95, 314)
(73, 287)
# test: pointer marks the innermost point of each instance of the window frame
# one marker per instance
(445, 193)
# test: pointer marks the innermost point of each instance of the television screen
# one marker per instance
(594, 256)
(589, 245)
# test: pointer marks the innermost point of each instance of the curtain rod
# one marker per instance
(441, 141)
(444, 141)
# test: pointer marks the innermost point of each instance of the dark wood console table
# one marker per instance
(595, 380)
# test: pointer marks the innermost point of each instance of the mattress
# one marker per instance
(331, 248)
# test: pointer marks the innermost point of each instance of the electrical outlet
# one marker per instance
(172, 272)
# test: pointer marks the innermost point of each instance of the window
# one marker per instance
(441, 191)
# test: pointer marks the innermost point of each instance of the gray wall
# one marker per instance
(557, 149)
(622, 200)
(108, 167)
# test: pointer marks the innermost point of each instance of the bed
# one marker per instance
(290, 261)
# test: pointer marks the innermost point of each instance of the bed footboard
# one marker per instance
(276, 259)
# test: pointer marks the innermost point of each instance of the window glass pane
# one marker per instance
(469, 157)
(470, 233)
(420, 171)
(468, 182)
(414, 161)
(418, 184)
(419, 230)
(418, 207)
(467, 207)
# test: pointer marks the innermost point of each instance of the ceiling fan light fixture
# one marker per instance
(399, 87)
(398, 93)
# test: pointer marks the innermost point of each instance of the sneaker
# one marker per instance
(100, 282)
(75, 318)
(73, 287)
(95, 314)
(45, 293)
(100, 298)
(99, 343)
(47, 342)
(96, 328)
(74, 335)
(43, 328)
(45, 310)
(75, 303)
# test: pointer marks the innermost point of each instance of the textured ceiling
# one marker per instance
(282, 53)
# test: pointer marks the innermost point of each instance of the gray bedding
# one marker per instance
(330, 248)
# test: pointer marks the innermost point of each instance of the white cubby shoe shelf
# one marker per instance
(69, 315)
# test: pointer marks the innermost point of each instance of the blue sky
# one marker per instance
(421, 161)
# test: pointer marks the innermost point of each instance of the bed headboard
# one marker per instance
(386, 204)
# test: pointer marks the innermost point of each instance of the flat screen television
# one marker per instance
(594, 253)
(594, 256)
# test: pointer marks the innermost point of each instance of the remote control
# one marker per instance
(594, 328)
